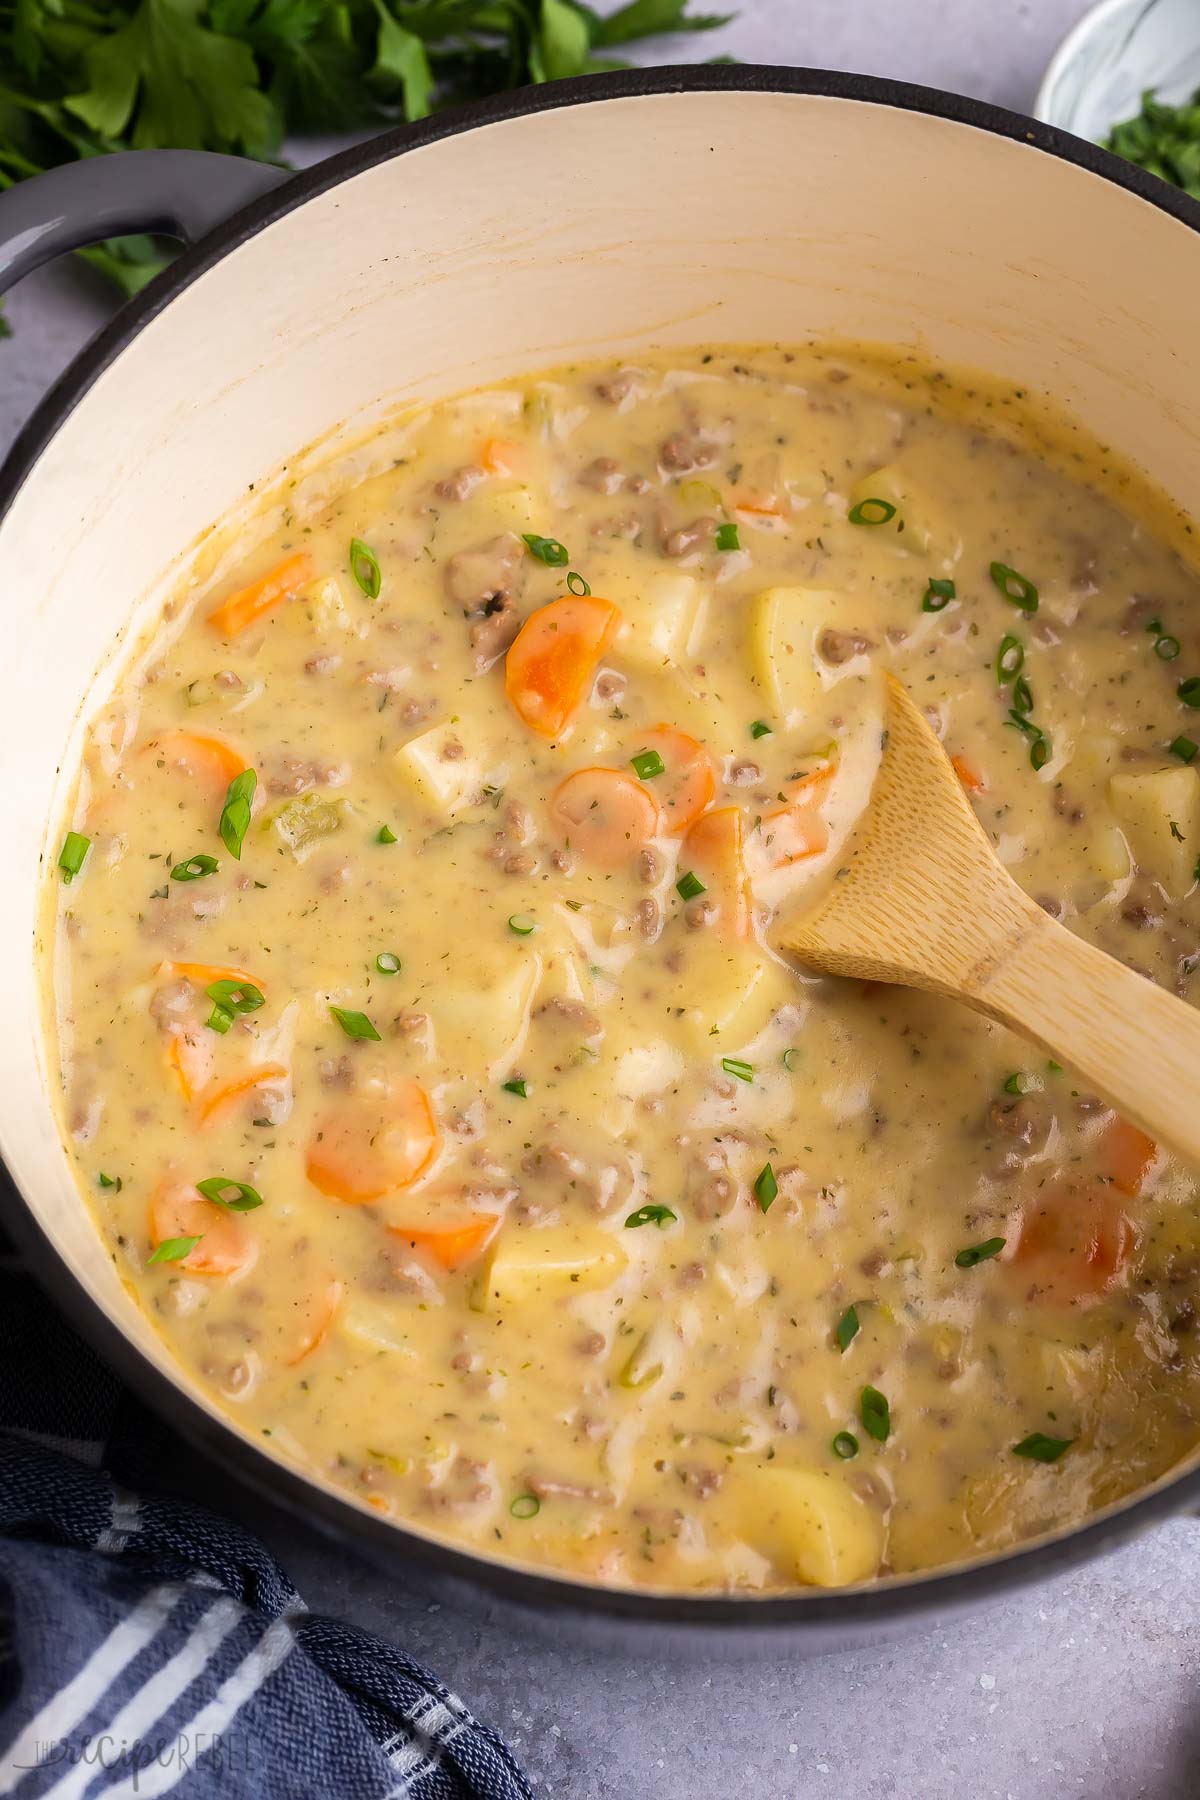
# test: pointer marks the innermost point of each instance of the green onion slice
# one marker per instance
(1015, 587)
(647, 764)
(237, 1196)
(219, 1019)
(1184, 749)
(364, 566)
(733, 1065)
(195, 868)
(727, 537)
(387, 962)
(791, 1058)
(235, 814)
(1040, 1448)
(938, 595)
(1014, 1083)
(689, 886)
(845, 1445)
(385, 835)
(977, 1253)
(525, 1506)
(1166, 647)
(520, 924)
(847, 1328)
(650, 1215)
(70, 857)
(1009, 658)
(173, 1249)
(1022, 696)
(236, 996)
(1189, 691)
(110, 1181)
(1039, 751)
(872, 511)
(547, 550)
(765, 1187)
(760, 728)
(518, 1086)
(875, 1414)
(577, 585)
(354, 1024)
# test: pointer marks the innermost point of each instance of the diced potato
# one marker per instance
(538, 1262)
(373, 1325)
(729, 986)
(785, 625)
(1108, 854)
(919, 523)
(810, 1522)
(450, 783)
(319, 609)
(1160, 813)
(499, 505)
(480, 1006)
(661, 618)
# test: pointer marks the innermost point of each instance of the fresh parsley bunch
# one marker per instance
(83, 77)
(1163, 139)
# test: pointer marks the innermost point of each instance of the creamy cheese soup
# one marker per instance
(424, 1053)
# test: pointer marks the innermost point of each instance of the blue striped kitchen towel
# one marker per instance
(148, 1647)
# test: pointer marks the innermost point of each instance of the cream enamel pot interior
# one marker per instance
(718, 204)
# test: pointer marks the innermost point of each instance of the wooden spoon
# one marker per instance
(923, 901)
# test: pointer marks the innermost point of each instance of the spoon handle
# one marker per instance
(1138, 1046)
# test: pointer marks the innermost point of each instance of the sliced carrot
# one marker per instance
(452, 1247)
(319, 1311)
(713, 851)
(969, 775)
(1073, 1242)
(758, 509)
(220, 1093)
(254, 601)
(551, 661)
(226, 1246)
(606, 815)
(798, 830)
(208, 760)
(372, 1145)
(1128, 1156)
(204, 974)
(190, 1055)
(688, 786)
(501, 457)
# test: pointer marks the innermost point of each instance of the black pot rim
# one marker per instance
(864, 1609)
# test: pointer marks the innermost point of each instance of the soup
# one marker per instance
(424, 1053)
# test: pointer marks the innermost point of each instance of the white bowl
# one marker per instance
(1120, 48)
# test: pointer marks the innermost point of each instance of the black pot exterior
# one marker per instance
(812, 1622)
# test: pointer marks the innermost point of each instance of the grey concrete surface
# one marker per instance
(1087, 1687)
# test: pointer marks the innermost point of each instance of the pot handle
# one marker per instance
(167, 193)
